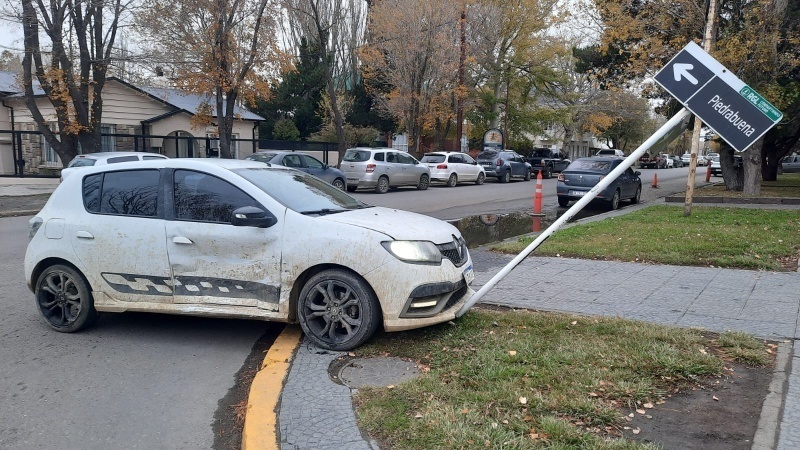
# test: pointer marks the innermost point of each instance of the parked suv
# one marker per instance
(383, 168)
(453, 167)
(548, 161)
(505, 165)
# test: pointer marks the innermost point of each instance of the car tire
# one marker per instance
(64, 299)
(506, 177)
(563, 202)
(637, 197)
(383, 185)
(481, 179)
(338, 310)
(614, 202)
(424, 182)
(452, 181)
(528, 175)
(548, 173)
(338, 184)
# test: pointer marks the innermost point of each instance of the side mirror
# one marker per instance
(637, 173)
(474, 163)
(251, 216)
(416, 162)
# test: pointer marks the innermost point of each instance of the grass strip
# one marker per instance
(712, 236)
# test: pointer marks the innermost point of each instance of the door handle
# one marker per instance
(84, 235)
(182, 240)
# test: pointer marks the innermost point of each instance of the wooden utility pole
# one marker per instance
(461, 62)
(708, 42)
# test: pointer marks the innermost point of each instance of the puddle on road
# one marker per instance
(487, 228)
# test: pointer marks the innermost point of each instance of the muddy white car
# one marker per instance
(227, 238)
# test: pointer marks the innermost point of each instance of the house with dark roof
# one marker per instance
(135, 118)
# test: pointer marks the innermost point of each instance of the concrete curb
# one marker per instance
(260, 430)
(24, 212)
(768, 432)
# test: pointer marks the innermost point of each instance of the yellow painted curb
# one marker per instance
(261, 421)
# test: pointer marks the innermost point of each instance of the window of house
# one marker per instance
(108, 143)
(213, 150)
(49, 155)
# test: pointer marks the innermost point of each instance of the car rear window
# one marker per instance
(82, 162)
(591, 165)
(121, 159)
(432, 158)
(147, 158)
(487, 154)
(356, 155)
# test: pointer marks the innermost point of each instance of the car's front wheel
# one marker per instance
(424, 182)
(453, 180)
(338, 184)
(64, 299)
(637, 197)
(338, 310)
(481, 179)
(383, 185)
(528, 175)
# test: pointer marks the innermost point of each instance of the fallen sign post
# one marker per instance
(669, 131)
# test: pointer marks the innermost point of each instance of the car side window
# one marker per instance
(200, 197)
(119, 159)
(468, 159)
(91, 192)
(292, 161)
(391, 157)
(126, 193)
(402, 158)
(456, 159)
(311, 162)
(379, 156)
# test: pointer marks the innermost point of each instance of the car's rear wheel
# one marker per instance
(548, 173)
(638, 196)
(424, 182)
(452, 181)
(64, 299)
(563, 202)
(506, 177)
(383, 185)
(614, 202)
(338, 310)
(481, 179)
(338, 184)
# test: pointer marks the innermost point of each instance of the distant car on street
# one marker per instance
(584, 173)
(611, 152)
(232, 238)
(676, 160)
(791, 164)
(453, 168)
(548, 161)
(686, 159)
(101, 158)
(303, 162)
(505, 165)
(382, 169)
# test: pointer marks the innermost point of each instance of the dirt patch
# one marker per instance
(11, 205)
(718, 413)
(229, 417)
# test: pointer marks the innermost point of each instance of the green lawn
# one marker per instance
(787, 185)
(527, 380)
(711, 236)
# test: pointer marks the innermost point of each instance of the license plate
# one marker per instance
(577, 193)
(469, 275)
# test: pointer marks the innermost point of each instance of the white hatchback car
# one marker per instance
(100, 158)
(229, 238)
(453, 167)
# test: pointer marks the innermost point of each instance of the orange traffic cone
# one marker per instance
(655, 181)
(537, 197)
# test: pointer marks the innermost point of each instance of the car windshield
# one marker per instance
(590, 165)
(82, 162)
(261, 157)
(353, 155)
(300, 192)
(432, 158)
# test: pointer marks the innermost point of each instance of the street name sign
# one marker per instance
(734, 110)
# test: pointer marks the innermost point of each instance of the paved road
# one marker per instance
(131, 381)
(496, 198)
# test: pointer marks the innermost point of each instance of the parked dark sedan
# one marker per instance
(306, 163)
(584, 173)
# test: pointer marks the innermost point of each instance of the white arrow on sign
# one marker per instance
(682, 70)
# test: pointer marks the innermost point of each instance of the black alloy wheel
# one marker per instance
(338, 184)
(506, 177)
(338, 310)
(64, 299)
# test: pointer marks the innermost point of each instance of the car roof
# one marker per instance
(105, 155)
(179, 163)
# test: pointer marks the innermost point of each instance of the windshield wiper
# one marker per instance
(322, 212)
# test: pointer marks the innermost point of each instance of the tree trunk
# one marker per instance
(751, 161)
(731, 173)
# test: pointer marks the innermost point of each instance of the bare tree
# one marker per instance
(72, 82)
(223, 49)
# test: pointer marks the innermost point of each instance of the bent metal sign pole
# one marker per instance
(669, 131)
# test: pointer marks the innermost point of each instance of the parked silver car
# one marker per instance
(383, 168)
(302, 162)
(791, 164)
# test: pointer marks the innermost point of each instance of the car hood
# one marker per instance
(397, 224)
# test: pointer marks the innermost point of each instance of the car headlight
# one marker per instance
(420, 252)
